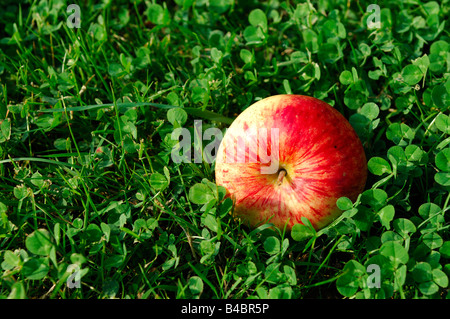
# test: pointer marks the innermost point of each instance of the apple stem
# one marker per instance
(281, 175)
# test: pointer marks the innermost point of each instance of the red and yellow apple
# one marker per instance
(288, 156)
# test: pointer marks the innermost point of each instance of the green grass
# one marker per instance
(88, 187)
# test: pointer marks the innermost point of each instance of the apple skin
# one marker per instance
(321, 154)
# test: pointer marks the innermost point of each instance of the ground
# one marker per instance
(93, 205)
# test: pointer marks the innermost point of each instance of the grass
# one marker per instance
(92, 205)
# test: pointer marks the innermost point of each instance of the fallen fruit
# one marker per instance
(289, 156)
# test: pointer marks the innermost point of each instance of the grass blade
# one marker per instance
(209, 115)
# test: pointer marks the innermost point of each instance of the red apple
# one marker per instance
(289, 156)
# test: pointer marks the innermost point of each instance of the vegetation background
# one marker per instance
(92, 206)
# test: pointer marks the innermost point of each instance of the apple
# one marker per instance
(288, 156)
